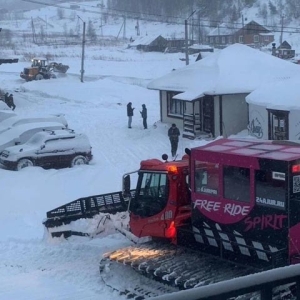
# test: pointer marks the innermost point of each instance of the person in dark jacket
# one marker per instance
(129, 113)
(10, 102)
(6, 98)
(144, 115)
(174, 134)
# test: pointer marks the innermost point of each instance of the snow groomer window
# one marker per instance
(206, 178)
(270, 189)
(236, 183)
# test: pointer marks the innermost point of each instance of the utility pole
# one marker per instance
(82, 55)
(187, 38)
(186, 42)
(124, 28)
(243, 29)
(199, 28)
(33, 32)
(137, 27)
(101, 25)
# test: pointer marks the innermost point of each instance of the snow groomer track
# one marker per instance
(172, 268)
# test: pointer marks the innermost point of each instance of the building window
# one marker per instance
(223, 40)
(206, 178)
(266, 38)
(236, 183)
(217, 40)
(211, 40)
(256, 39)
(278, 124)
(230, 40)
(175, 107)
(241, 39)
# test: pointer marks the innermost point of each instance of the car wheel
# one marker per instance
(23, 163)
(78, 160)
(39, 77)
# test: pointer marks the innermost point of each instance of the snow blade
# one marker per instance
(129, 235)
(100, 225)
(87, 207)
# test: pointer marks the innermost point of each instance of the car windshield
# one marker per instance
(36, 139)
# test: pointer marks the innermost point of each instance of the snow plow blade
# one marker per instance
(59, 67)
(85, 208)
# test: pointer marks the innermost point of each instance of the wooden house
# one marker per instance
(284, 50)
(208, 97)
(150, 43)
(252, 34)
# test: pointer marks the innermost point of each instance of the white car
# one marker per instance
(22, 133)
(57, 148)
(17, 121)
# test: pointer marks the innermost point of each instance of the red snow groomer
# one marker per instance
(237, 199)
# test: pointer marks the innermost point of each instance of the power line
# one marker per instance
(191, 23)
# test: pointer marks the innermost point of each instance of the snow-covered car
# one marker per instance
(47, 149)
(22, 133)
(5, 114)
(14, 121)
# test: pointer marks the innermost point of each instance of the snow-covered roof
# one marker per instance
(233, 70)
(144, 40)
(223, 29)
(283, 95)
(200, 47)
(39, 58)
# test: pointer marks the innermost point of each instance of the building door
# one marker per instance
(208, 114)
(278, 124)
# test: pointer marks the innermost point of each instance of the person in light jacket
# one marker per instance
(130, 110)
(144, 115)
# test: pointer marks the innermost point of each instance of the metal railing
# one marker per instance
(261, 283)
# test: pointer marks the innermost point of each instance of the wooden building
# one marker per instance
(252, 34)
(284, 50)
(150, 43)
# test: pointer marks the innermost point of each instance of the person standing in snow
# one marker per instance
(10, 102)
(129, 113)
(144, 115)
(174, 134)
(6, 98)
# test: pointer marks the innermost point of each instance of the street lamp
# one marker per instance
(187, 38)
(82, 55)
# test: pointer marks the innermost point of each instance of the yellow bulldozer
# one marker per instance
(40, 70)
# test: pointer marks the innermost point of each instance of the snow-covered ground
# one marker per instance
(32, 266)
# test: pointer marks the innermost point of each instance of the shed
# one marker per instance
(150, 43)
(209, 96)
